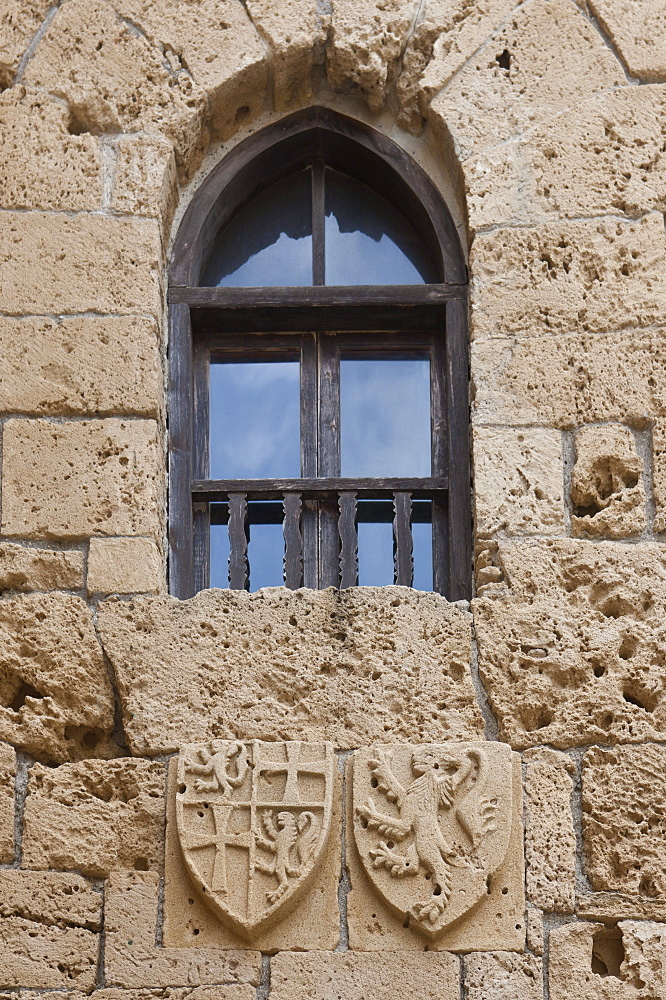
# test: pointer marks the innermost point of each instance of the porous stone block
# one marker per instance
(145, 181)
(518, 481)
(550, 838)
(19, 21)
(95, 816)
(610, 907)
(358, 976)
(125, 566)
(607, 963)
(7, 776)
(56, 700)
(81, 478)
(598, 275)
(607, 491)
(624, 827)
(41, 164)
(535, 931)
(346, 666)
(44, 956)
(87, 263)
(638, 33)
(50, 898)
(659, 473)
(292, 30)
(80, 365)
(238, 992)
(503, 975)
(24, 568)
(133, 961)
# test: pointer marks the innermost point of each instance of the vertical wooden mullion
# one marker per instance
(309, 436)
(201, 463)
(459, 517)
(402, 536)
(293, 541)
(181, 443)
(328, 458)
(348, 540)
(239, 576)
(318, 223)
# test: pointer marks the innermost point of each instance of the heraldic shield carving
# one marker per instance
(253, 821)
(431, 824)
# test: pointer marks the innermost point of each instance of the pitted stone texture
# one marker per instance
(365, 44)
(22, 568)
(659, 473)
(80, 365)
(50, 898)
(535, 931)
(56, 701)
(19, 22)
(125, 566)
(348, 666)
(134, 962)
(292, 31)
(359, 976)
(638, 33)
(44, 956)
(599, 275)
(607, 491)
(244, 992)
(518, 481)
(612, 906)
(7, 776)
(550, 838)
(503, 976)
(569, 380)
(81, 478)
(87, 263)
(115, 80)
(624, 822)
(41, 164)
(95, 816)
(543, 59)
(214, 41)
(607, 963)
(145, 181)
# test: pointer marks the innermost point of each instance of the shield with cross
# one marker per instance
(253, 820)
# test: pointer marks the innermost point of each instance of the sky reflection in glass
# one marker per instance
(385, 418)
(375, 549)
(255, 420)
(219, 556)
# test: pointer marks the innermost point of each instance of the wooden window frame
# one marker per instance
(205, 318)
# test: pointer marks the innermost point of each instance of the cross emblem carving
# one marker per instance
(221, 838)
(292, 767)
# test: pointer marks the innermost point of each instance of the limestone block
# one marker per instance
(344, 666)
(125, 566)
(571, 379)
(80, 365)
(292, 32)
(95, 816)
(145, 181)
(550, 838)
(535, 931)
(41, 164)
(659, 473)
(39, 569)
(568, 675)
(607, 492)
(625, 830)
(358, 976)
(56, 700)
(236, 992)
(503, 976)
(87, 263)
(7, 776)
(607, 963)
(115, 80)
(81, 478)
(518, 481)
(599, 275)
(50, 898)
(365, 44)
(638, 32)
(19, 21)
(45, 956)
(134, 962)
(612, 906)
(540, 62)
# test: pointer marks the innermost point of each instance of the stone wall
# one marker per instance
(547, 117)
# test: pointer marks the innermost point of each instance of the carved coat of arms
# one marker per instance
(253, 820)
(431, 824)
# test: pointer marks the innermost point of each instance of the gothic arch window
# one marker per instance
(318, 421)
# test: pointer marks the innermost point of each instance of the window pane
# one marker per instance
(255, 420)
(385, 417)
(375, 553)
(269, 242)
(422, 551)
(368, 241)
(266, 553)
(219, 556)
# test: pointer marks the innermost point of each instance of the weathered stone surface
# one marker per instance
(134, 962)
(624, 826)
(659, 473)
(598, 275)
(503, 976)
(345, 666)
(550, 838)
(45, 956)
(358, 976)
(518, 481)
(95, 816)
(50, 898)
(607, 491)
(607, 963)
(125, 566)
(19, 21)
(569, 380)
(80, 365)
(535, 932)
(122, 84)
(7, 776)
(24, 568)
(612, 906)
(238, 992)
(41, 164)
(87, 263)
(638, 32)
(81, 478)
(292, 31)
(56, 701)
(145, 181)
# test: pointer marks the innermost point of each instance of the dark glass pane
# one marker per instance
(266, 553)
(368, 241)
(385, 417)
(269, 242)
(219, 556)
(255, 420)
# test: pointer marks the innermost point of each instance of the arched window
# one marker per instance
(318, 370)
